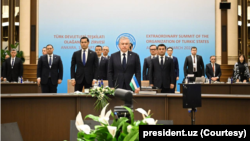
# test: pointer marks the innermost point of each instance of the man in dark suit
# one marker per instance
(176, 67)
(49, 71)
(44, 51)
(213, 70)
(13, 67)
(194, 65)
(84, 65)
(105, 52)
(162, 71)
(3, 66)
(147, 62)
(123, 65)
(102, 70)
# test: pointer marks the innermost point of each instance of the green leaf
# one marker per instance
(121, 121)
(124, 128)
(114, 119)
(132, 135)
(122, 136)
(131, 114)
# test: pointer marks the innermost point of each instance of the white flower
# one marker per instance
(150, 121)
(104, 118)
(129, 127)
(112, 130)
(142, 111)
(80, 125)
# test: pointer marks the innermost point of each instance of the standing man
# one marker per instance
(49, 71)
(13, 67)
(162, 71)
(44, 51)
(105, 52)
(102, 70)
(123, 65)
(147, 62)
(194, 65)
(213, 70)
(3, 66)
(131, 47)
(84, 65)
(176, 67)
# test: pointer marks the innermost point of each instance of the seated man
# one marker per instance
(213, 70)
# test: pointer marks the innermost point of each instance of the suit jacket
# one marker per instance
(2, 69)
(117, 76)
(56, 70)
(188, 66)
(209, 71)
(107, 58)
(82, 72)
(162, 76)
(176, 67)
(102, 70)
(14, 73)
(146, 67)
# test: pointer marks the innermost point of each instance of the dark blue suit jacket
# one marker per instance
(176, 66)
(117, 76)
(56, 69)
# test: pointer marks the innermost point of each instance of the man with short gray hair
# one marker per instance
(13, 67)
(123, 65)
(213, 70)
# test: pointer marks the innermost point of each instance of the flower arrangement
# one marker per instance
(101, 94)
(119, 130)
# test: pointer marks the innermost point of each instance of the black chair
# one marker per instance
(10, 132)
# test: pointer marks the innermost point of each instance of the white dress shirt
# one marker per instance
(214, 69)
(162, 58)
(126, 56)
(86, 55)
(170, 57)
(152, 56)
(194, 64)
(106, 57)
(12, 60)
(51, 59)
(99, 59)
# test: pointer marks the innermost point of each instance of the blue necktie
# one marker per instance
(49, 65)
(83, 57)
(124, 61)
(161, 62)
(12, 63)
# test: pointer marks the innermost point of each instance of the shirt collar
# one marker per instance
(162, 56)
(170, 56)
(13, 58)
(50, 55)
(86, 50)
(152, 56)
(126, 53)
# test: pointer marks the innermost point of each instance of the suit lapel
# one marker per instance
(47, 61)
(54, 58)
(165, 63)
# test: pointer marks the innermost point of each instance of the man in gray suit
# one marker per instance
(147, 62)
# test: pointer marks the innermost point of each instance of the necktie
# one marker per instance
(124, 61)
(50, 61)
(161, 62)
(50, 65)
(213, 68)
(153, 57)
(194, 62)
(83, 57)
(12, 63)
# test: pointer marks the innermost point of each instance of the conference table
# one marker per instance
(19, 88)
(223, 88)
(43, 117)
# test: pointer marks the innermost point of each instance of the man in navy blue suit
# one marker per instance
(123, 65)
(176, 67)
(49, 71)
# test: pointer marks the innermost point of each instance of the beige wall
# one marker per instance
(232, 32)
(25, 29)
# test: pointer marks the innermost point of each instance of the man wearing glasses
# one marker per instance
(105, 52)
(49, 71)
(147, 62)
(213, 70)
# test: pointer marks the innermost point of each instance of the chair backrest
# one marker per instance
(10, 132)
(145, 83)
(105, 83)
(71, 89)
